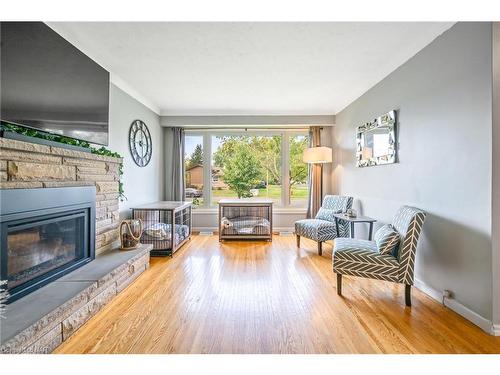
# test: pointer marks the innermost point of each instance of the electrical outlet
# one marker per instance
(447, 293)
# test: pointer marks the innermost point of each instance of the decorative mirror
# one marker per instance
(140, 143)
(376, 142)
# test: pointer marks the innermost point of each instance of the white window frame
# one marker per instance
(285, 158)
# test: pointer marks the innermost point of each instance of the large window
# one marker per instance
(246, 164)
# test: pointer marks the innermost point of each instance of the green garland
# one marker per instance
(106, 152)
(4, 126)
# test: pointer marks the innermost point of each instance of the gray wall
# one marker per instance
(496, 176)
(142, 185)
(443, 97)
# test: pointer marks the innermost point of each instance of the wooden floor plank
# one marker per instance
(269, 297)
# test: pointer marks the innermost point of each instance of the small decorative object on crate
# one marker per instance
(130, 233)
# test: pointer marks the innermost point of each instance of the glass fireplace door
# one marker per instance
(43, 246)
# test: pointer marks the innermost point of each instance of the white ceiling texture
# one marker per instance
(207, 69)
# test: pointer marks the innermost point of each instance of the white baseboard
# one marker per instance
(284, 229)
(205, 229)
(495, 329)
(483, 323)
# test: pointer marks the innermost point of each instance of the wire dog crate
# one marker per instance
(157, 221)
(246, 219)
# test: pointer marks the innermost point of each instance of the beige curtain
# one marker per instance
(178, 173)
(315, 175)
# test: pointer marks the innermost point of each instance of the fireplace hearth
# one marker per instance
(45, 234)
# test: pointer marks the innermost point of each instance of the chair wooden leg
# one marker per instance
(408, 295)
(320, 248)
(298, 240)
(339, 284)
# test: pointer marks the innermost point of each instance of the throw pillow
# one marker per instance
(387, 239)
(327, 214)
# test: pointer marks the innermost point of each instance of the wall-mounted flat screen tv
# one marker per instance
(48, 84)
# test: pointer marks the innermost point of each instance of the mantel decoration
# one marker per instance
(7, 127)
(376, 142)
(140, 143)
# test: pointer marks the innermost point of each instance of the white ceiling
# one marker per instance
(249, 68)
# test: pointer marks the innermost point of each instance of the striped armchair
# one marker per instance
(362, 258)
(322, 227)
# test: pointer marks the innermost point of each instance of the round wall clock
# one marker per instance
(140, 143)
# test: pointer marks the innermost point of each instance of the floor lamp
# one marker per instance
(317, 156)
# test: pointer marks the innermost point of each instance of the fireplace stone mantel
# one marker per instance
(26, 165)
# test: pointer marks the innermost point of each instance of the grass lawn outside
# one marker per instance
(299, 195)
(273, 192)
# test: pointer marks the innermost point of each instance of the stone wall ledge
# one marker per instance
(42, 320)
(14, 144)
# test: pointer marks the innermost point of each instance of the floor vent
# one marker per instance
(286, 234)
(206, 233)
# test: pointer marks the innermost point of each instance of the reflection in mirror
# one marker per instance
(376, 141)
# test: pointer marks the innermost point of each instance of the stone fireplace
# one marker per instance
(45, 234)
(25, 165)
(47, 197)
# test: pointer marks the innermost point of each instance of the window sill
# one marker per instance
(278, 210)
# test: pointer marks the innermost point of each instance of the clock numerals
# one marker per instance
(140, 143)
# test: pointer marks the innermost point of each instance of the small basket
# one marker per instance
(130, 233)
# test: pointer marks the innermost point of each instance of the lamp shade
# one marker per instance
(318, 155)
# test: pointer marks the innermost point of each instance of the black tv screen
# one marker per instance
(48, 84)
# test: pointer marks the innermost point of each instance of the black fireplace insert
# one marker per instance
(45, 233)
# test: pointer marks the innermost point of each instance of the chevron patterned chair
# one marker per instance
(384, 258)
(322, 227)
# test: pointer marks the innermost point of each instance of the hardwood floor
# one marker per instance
(262, 297)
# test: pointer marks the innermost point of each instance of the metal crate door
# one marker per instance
(245, 221)
(157, 229)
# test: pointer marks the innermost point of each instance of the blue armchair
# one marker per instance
(368, 259)
(322, 227)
